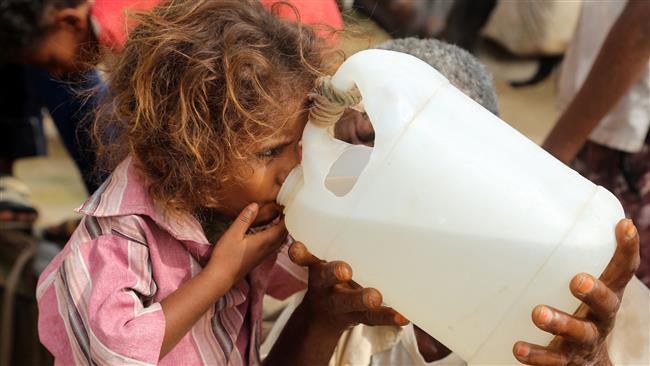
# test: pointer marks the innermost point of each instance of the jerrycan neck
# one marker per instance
(291, 186)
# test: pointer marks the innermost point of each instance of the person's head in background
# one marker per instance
(462, 69)
(54, 34)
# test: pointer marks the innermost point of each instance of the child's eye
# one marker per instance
(269, 153)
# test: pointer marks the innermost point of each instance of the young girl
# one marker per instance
(208, 103)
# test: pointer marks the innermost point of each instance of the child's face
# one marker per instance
(271, 161)
(67, 39)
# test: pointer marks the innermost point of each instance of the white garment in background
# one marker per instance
(533, 28)
(626, 125)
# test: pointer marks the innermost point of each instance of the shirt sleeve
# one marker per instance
(104, 290)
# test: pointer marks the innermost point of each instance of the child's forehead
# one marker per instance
(289, 126)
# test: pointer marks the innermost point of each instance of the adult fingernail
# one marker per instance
(372, 299)
(544, 315)
(585, 285)
(522, 351)
(294, 251)
(343, 272)
(630, 230)
(400, 319)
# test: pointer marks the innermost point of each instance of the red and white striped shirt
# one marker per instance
(99, 299)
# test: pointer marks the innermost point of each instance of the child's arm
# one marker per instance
(332, 304)
(580, 338)
(235, 255)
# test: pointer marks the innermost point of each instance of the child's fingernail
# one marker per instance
(630, 230)
(522, 351)
(544, 315)
(585, 285)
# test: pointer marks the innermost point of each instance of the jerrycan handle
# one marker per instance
(320, 148)
(394, 87)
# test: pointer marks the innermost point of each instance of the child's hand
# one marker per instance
(335, 300)
(237, 254)
(580, 338)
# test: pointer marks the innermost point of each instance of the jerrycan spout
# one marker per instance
(291, 186)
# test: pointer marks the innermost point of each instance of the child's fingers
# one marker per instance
(626, 258)
(602, 301)
(532, 354)
(243, 221)
(335, 272)
(272, 237)
(301, 256)
(559, 323)
(346, 300)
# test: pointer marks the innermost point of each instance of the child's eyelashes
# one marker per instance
(271, 152)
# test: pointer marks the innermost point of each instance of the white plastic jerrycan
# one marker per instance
(461, 222)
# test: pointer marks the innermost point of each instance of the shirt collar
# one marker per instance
(125, 193)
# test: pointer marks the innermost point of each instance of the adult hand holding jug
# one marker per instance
(448, 192)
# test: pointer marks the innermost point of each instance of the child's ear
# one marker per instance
(72, 19)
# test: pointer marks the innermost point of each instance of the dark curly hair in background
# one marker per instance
(24, 22)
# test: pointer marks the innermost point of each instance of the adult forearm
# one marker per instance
(621, 60)
(184, 307)
(304, 341)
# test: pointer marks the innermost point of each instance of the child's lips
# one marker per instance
(270, 222)
(274, 215)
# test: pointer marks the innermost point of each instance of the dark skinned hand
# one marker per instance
(580, 338)
(336, 300)
(355, 128)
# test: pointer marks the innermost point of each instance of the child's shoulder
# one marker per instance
(129, 227)
(109, 233)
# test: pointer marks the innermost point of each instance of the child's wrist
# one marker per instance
(218, 276)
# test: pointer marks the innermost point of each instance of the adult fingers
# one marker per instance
(345, 129)
(532, 354)
(626, 258)
(346, 300)
(335, 272)
(301, 256)
(559, 323)
(364, 130)
(243, 221)
(602, 301)
(381, 316)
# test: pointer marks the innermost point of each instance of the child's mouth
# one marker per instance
(274, 217)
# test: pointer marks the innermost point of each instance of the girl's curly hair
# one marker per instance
(198, 82)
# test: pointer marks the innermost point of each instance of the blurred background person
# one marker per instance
(50, 49)
(604, 91)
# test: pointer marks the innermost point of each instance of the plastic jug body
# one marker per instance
(461, 222)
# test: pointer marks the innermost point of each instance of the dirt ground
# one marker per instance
(57, 188)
